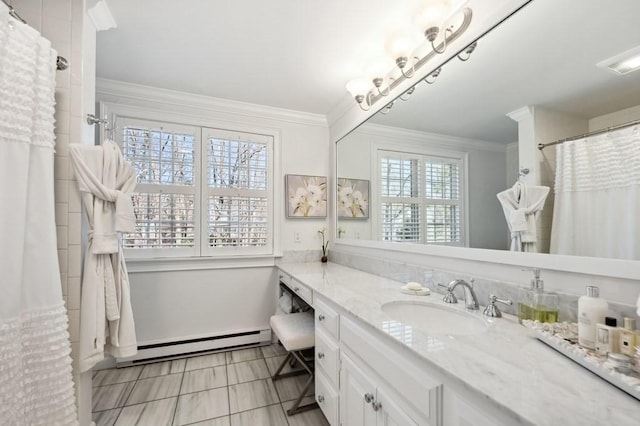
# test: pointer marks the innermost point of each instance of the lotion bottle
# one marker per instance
(591, 311)
(627, 339)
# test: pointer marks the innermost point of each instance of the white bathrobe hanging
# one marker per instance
(106, 182)
(521, 205)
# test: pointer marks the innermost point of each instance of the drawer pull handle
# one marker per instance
(320, 399)
(376, 405)
(320, 317)
(320, 355)
(368, 398)
(296, 289)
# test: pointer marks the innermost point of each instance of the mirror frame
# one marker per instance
(352, 117)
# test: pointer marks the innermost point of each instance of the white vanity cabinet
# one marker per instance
(365, 401)
(379, 386)
(327, 359)
(363, 379)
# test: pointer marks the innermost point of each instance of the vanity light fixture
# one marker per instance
(377, 73)
(387, 108)
(430, 19)
(360, 89)
(468, 51)
(400, 47)
(433, 76)
(408, 93)
(382, 76)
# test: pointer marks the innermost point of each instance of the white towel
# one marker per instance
(286, 303)
(523, 203)
(518, 220)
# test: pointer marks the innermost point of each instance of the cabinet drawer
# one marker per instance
(284, 278)
(327, 398)
(327, 356)
(301, 290)
(327, 319)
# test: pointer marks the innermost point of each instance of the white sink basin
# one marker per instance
(435, 319)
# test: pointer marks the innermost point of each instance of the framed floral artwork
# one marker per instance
(353, 198)
(306, 196)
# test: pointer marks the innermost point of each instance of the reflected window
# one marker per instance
(421, 198)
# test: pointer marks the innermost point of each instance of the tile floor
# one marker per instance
(224, 389)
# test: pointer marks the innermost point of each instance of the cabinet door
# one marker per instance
(356, 393)
(390, 413)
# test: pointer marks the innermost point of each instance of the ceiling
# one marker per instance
(293, 54)
(299, 54)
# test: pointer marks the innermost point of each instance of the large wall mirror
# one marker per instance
(457, 131)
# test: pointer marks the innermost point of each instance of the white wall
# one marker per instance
(615, 118)
(172, 299)
(487, 225)
(173, 305)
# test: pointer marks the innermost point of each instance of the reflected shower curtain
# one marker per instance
(36, 385)
(597, 196)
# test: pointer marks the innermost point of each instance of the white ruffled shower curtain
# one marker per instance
(597, 196)
(36, 386)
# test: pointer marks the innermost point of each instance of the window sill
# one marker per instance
(163, 264)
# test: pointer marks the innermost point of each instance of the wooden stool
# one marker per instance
(296, 333)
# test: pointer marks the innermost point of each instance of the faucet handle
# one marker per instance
(491, 310)
(449, 297)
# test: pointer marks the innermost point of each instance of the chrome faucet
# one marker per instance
(470, 299)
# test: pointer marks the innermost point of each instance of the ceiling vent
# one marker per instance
(623, 63)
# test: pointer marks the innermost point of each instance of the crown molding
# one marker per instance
(444, 141)
(521, 114)
(124, 92)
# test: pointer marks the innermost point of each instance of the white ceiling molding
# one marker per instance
(445, 141)
(138, 92)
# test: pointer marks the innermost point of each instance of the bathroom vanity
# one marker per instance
(377, 363)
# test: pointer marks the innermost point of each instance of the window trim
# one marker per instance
(115, 110)
(426, 151)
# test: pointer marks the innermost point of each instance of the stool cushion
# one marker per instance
(295, 331)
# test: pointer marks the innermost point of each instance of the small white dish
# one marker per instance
(422, 292)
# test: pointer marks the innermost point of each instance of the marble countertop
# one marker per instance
(521, 375)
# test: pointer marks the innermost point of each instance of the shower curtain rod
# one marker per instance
(61, 62)
(541, 146)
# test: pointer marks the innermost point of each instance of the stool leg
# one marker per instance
(296, 408)
(277, 373)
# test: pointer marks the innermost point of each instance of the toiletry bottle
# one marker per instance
(591, 311)
(607, 336)
(627, 339)
(536, 304)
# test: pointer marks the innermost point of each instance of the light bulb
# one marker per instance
(433, 14)
(400, 46)
(379, 68)
(358, 87)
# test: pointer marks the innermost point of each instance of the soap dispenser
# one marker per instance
(536, 304)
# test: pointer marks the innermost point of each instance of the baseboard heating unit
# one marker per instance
(164, 351)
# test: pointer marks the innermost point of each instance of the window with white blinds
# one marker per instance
(199, 192)
(421, 198)
(237, 192)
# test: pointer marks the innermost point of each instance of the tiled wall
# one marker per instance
(61, 21)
